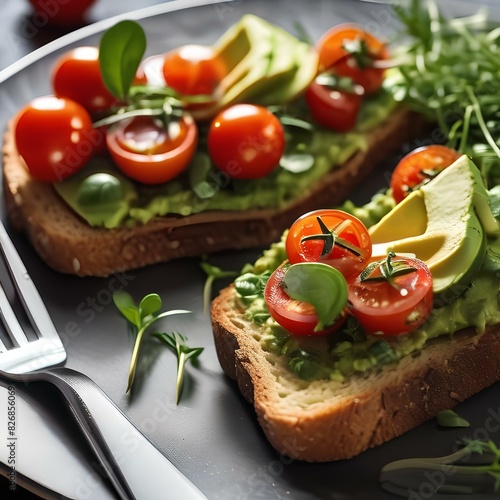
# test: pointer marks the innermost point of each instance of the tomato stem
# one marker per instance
(389, 269)
(330, 239)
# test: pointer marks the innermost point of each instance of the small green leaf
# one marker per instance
(150, 305)
(320, 285)
(125, 304)
(448, 418)
(120, 52)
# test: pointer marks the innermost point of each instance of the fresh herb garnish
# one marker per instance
(451, 73)
(140, 318)
(320, 285)
(472, 470)
(449, 418)
(213, 273)
(120, 52)
(177, 344)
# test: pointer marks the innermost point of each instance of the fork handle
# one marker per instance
(136, 468)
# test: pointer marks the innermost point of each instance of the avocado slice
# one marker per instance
(262, 58)
(306, 69)
(444, 223)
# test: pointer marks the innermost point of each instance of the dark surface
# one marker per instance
(212, 436)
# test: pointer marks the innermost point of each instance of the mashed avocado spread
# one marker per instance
(339, 356)
(112, 201)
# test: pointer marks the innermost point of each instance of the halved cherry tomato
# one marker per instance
(193, 69)
(350, 51)
(77, 75)
(55, 138)
(67, 13)
(419, 167)
(332, 237)
(246, 141)
(331, 108)
(148, 152)
(395, 305)
(295, 316)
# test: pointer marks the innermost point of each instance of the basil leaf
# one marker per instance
(320, 285)
(120, 52)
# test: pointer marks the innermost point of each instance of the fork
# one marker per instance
(135, 467)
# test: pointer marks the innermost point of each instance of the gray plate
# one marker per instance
(212, 436)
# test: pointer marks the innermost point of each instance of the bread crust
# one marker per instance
(69, 245)
(380, 407)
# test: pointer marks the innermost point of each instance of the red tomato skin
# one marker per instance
(333, 109)
(310, 251)
(66, 14)
(333, 56)
(382, 310)
(407, 174)
(246, 141)
(77, 75)
(298, 318)
(54, 137)
(193, 70)
(160, 165)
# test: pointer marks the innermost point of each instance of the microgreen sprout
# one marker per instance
(177, 344)
(140, 317)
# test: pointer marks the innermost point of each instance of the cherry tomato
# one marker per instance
(77, 75)
(149, 153)
(331, 108)
(419, 167)
(246, 141)
(332, 237)
(67, 13)
(350, 51)
(150, 72)
(193, 69)
(55, 138)
(295, 316)
(396, 305)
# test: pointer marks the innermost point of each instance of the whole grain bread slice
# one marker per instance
(328, 420)
(69, 245)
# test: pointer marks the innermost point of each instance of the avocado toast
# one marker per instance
(313, 395)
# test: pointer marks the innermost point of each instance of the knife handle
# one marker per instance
(136, 468)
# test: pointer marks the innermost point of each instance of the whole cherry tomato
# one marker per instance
(55, 138)
(419, 167)
(331, 108)
(67, 13)
(350, 51)
(293, 315)
(150, 153)
(394, 300)
(193, 69)
(246, 141)
(77, 75)
(332, 237)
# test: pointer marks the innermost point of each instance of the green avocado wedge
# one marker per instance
(445, 224)
(262, 60)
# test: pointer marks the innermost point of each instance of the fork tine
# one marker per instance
(10, 321)
(31, 300)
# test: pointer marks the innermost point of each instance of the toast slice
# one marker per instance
(69, 245)
(328, 420)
